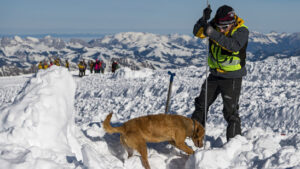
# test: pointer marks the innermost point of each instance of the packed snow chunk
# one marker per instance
(94, 160)
(42, 115)
(219, 157)
(131, 74)
(95, 131)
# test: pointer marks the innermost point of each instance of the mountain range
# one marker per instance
(133, 49)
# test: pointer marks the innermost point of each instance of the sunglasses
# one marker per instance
(223, 27)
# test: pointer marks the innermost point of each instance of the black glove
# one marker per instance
(200, 23)
(206, 13)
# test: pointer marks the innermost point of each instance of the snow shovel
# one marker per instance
(170, 90)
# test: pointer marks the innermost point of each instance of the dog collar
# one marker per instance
(194, 126)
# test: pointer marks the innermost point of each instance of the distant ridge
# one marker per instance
(20, 55)
(65, 36)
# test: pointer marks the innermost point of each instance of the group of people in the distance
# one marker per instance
(44, 64)
(95, 66)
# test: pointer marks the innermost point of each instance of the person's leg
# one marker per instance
(230, 91)
(212, 93)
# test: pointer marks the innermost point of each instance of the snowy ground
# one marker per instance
(54, 119)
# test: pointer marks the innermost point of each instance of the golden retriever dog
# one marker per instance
(156, 128)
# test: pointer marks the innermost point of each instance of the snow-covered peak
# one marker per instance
(32, 39)
(18, 39)
(262, 38)
(48, 37)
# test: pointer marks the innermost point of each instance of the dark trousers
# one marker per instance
(230, 89)
(81, 72)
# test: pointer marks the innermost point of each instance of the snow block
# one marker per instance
(42, 115)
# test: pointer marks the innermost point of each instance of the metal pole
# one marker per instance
(206, 85)
(170, 90)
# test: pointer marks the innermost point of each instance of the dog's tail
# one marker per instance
(108, 128)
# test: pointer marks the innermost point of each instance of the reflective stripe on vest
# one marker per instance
(224, 62)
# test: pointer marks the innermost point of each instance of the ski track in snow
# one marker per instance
(269, 110)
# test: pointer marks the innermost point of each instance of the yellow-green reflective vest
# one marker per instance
(225, 62)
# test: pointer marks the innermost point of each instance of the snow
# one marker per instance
(18, 39)
(32, 39)
(53, 119)
(128, 73)
(41, 117)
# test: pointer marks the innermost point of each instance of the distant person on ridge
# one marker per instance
(40, 66)
(114, 66)
(96, 66)
(228, 39)
(103, 66)
(81, 68)
(51, 63)
(100, 66)
(45, 66)
(56, 62)
(91, 65)
(67, 64)
(85, 66)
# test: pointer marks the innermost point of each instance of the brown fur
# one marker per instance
(156, 128)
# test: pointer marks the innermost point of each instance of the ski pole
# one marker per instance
(170, 90)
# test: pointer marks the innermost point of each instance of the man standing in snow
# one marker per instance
(114, 66)
(228, 39)
(81, 68)
(67, 64)
(85, 66)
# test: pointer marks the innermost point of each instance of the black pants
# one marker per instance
(81, 72)
(230, 91)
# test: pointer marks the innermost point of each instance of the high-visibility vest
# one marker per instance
(224, 62)
(46, 66)
(81, 66)
(40, 66)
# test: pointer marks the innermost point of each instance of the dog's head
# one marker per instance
(198, 134)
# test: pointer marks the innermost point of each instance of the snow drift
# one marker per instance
(41, 119)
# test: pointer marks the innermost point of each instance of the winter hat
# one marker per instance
(225, 15)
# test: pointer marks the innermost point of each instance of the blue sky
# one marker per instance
(156, 16)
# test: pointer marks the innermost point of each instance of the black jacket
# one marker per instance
(238, 41)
